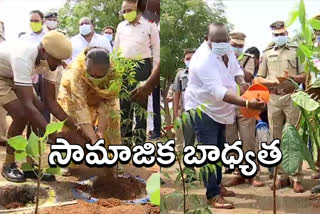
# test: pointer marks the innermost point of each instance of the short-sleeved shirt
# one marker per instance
(79, 44)
(247, 63)
(17, 62)
(277, 60)
(33, 37)
(180, 84)
(209, 81)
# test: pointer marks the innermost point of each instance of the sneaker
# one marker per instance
(11, 173)
(45, 176)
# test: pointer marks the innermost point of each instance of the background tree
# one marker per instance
(183, 25)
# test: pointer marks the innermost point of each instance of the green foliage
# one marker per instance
(53, 127)
(294, 150)
(153, 188)
(303, 99)
(178, 22)
(19, 143)
(105, 13)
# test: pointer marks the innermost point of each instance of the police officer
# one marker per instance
(280, 62)
(245, 127)
(51, 20)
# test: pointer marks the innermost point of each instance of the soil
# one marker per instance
(103, 206)
(109, 187)
(12, 196)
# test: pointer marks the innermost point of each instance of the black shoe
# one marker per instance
(316, 189)
(11, 173)
(45, 177)
(154, 136)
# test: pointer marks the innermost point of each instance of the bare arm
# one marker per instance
(88, 130)
(54, 107)
(26, 96)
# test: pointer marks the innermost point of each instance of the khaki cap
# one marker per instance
(278, 27)
(57, 45)
(238, 37)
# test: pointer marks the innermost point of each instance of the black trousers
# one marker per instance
(137, 135)
(156, 111)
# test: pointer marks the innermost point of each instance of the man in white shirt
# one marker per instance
(87, 38)
(36, 26)
(137, 39)
(20, 60)
(214, 74)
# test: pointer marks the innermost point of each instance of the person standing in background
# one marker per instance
(136, 39)
(243, 128)
(87, 37)
(35, 36)
(3, 113)
(51, 21)
(108, 33)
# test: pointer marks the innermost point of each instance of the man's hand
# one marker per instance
(256, 104)
(314, 93)
(244, 87)
(141, 93)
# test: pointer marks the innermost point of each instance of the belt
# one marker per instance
(278, 91)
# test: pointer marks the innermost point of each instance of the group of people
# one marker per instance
(216, 74)
(45, 76)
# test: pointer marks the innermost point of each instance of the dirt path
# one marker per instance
(250, 200)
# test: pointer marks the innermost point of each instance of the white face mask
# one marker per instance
(85, 29)
(221, 48)
(51, 24)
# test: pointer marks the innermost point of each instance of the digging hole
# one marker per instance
(12, 196)
(123, 188)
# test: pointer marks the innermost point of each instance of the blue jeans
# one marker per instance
(210, 132)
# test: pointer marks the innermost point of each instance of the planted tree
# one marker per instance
(34, 148)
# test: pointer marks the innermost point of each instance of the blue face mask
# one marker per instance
(221, 48)
(108, 36)
(280, 40)
(237, 51)
(187, 63)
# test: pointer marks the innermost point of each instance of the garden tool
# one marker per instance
(258, 92)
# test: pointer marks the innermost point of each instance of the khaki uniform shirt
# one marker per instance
(180, 84)
(277, 60)
(247, 63)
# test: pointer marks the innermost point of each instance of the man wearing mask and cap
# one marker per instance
(51, 21)
(87, 38)
(280, 62)
(243, 128)
(20, 60)
(137, 39)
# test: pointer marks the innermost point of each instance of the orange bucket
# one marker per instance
(256, 91)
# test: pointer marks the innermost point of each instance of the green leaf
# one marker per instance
(303, 99)
(184, 117)
(302, 14)
(178, 123)
(291, 149)
(315, 23)
(305, 50)
(19, 143)
(53, 170)
(193, 114)
(33, 146)
(308, 157)
(53, 127)
(199, 112)
(293, 15)
(20, 156)
(26, 167)
(155, 197)
(153, 183)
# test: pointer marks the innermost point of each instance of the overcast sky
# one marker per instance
(15, 14)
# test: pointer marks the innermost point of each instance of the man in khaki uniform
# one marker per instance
(245, 127)
(278, 63)
(3, 113)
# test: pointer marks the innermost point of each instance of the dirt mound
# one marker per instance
(123, 188)
(12, 196)
(83, 207)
